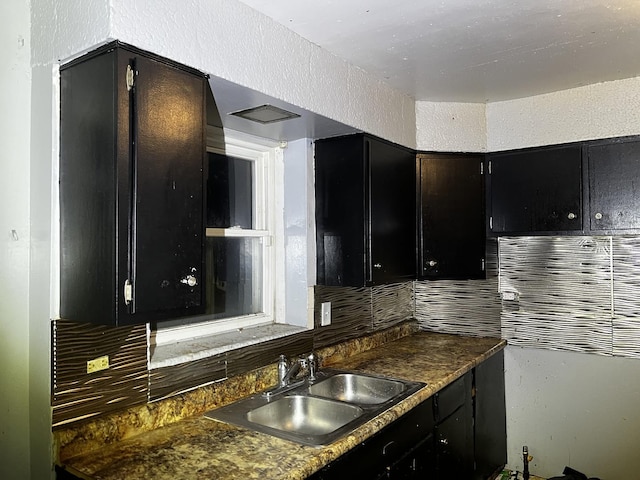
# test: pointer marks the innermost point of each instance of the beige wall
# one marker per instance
(602, 110)
(15, 85)
(451, 127)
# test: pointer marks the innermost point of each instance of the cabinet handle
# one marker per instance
(444, 441)
(377, 265)
(384, 449)
(598, 216)
(433, 263)
(190, 280)
(128, 292)
(572, 216)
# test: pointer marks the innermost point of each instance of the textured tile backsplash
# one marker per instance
(78, 394)
(562, 290)
(466, 307)
(564, 293)
(572, 293)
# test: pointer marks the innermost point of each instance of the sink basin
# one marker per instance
(360, 389)
(317, 414)
(305, 415)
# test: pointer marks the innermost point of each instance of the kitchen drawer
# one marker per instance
(453, 396)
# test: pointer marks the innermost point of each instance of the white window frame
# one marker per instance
(268, 203)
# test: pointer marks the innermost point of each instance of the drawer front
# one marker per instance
(453, 396)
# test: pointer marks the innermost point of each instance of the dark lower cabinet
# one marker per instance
(453, 411)
(459, 433)
(490, 419)
(63, 474)
(454, 446)
(401, 450)
(418, 463)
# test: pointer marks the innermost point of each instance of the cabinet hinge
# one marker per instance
(129, 78)
(128, 292)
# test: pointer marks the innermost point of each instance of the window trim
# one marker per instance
(270, 173)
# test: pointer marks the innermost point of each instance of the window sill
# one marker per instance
(171, 354)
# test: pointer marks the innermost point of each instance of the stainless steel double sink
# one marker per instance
(319, 412)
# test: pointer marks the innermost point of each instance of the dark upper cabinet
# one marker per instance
(132, 153)
(365, 211)
(451, 216)
(614, 185)
(536, 191)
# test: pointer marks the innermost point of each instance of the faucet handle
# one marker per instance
(312, 363)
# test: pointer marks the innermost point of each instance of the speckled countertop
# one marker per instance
(200, 448)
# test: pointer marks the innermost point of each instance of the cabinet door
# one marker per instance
(453, 412)
(365, 212)
(392, 213)
(490, 417)
(451, 215)
(454, 446)
(340, 211)
(131, 188)
(538, 190)
(614, 185)
(417, 464)
(167, 228)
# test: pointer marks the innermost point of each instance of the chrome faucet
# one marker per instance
(289, 371)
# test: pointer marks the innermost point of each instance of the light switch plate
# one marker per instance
(325, 314)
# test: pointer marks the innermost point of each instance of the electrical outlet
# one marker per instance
(510, 296)
(97, 364)
(325, 314)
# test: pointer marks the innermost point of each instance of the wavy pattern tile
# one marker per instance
(77, 394)
(464, 307)
(562, 287)
(626, 296)
(391, 304)
(168, 381)
(571, 293)
(249, 358)
(351, 314)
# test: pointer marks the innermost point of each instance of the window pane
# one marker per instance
(229, 192)
(234, 276)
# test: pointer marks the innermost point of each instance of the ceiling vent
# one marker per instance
(265, 114)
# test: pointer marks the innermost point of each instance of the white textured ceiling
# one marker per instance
(473, 50)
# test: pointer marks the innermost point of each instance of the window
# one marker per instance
(243, 239)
